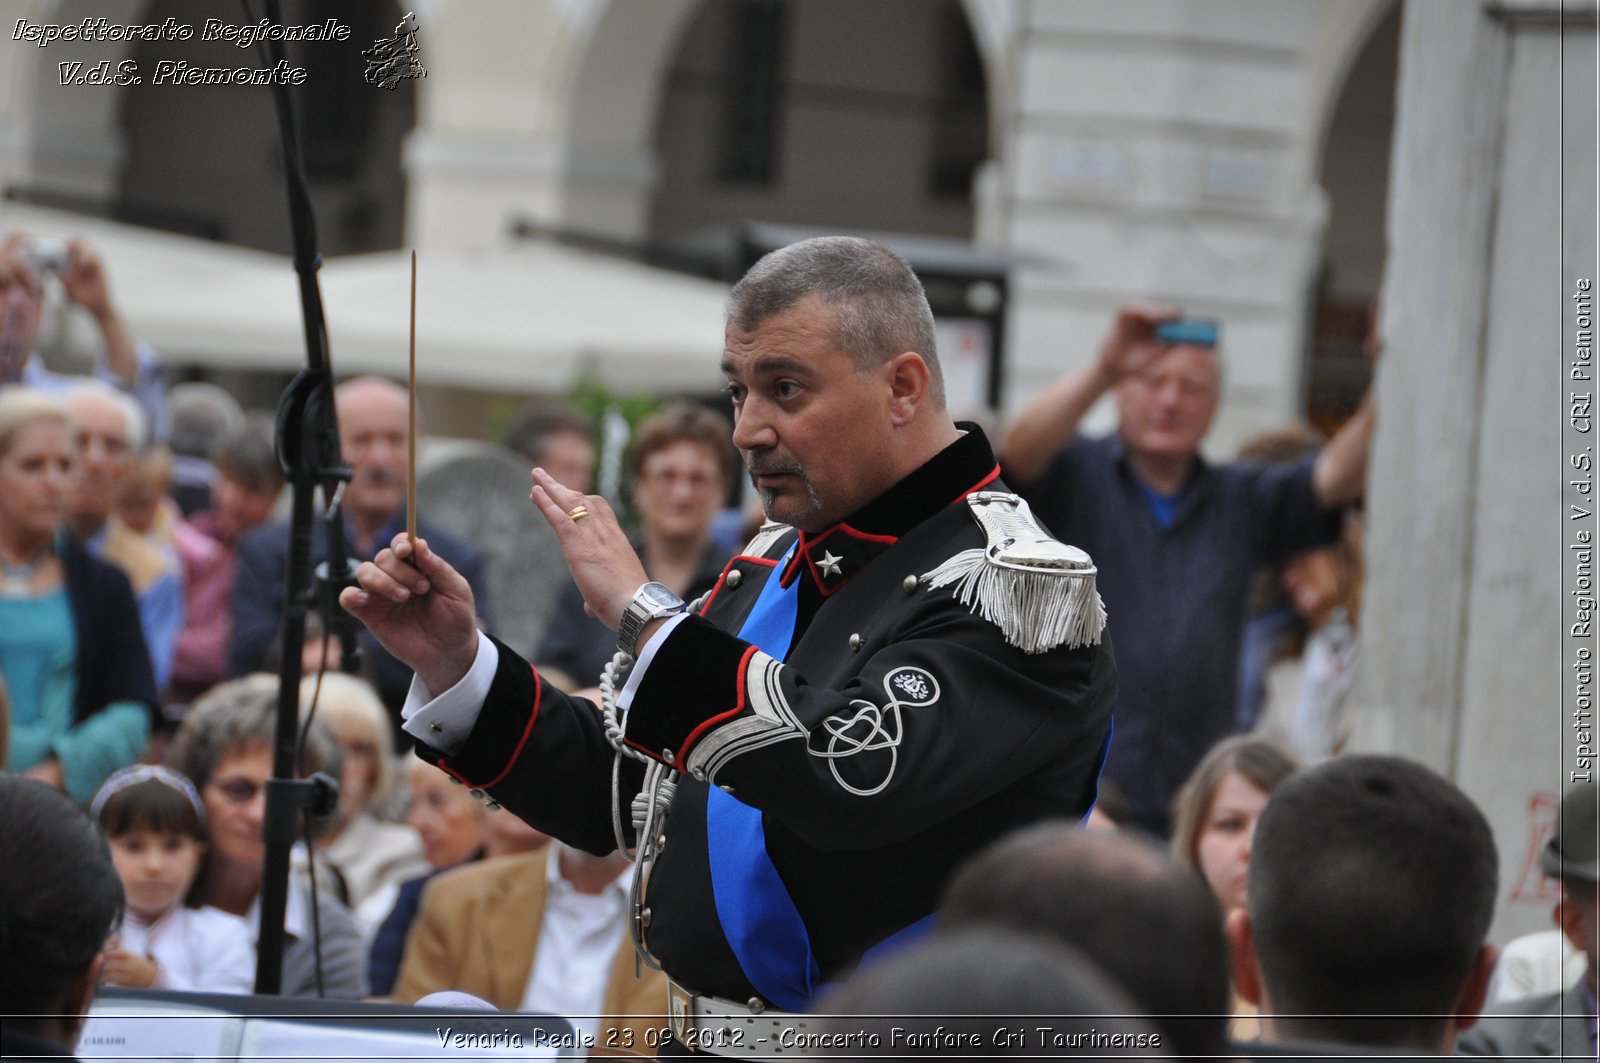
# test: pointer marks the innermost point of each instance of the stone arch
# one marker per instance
(1350, 30)
(991, 32)
(1350, 137)
(208, 160)
(613, 88)
(620, 52)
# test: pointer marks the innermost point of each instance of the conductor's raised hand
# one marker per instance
(423, 613)
(602, 561)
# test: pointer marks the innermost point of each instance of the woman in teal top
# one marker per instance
(71, 649)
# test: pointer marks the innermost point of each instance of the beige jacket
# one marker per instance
(477, 931)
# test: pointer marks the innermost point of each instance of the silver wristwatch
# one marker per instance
(650, 602)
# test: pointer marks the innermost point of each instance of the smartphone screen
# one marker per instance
(1199, 331)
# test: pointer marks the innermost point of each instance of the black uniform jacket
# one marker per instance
(901, 735)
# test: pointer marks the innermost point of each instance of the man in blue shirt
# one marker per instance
(1176, 539)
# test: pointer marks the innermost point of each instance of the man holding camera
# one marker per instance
(1177, 540)
(25, 262)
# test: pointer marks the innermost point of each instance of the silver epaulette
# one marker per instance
(1039, 592)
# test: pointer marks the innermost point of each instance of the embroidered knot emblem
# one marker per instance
(829, 564)
(912, 685)
(874, 732)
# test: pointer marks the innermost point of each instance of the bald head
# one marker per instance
(372, 434)
(360, 389)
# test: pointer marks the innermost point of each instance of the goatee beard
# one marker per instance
(769, 498)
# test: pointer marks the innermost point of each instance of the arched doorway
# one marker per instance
(823, 113)
(1353, 172)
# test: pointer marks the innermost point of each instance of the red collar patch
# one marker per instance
(834, 556)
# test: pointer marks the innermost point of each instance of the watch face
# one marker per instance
(650, 601)
(659, 597)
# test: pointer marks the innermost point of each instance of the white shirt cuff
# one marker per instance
(636, 675)
(445, 721)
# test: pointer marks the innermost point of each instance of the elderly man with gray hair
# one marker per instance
(111, 431)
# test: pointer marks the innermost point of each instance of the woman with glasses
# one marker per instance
(61, 611)
(224, 746)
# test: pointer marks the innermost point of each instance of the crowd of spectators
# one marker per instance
(1307, 899)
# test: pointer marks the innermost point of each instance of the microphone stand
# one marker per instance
(308, 451)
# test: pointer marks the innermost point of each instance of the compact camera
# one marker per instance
(47, 256)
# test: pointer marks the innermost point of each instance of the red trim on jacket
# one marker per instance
(538, 696)
(765, 561)
(979, 486)
(738, 707)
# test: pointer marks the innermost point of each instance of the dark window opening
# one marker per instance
(750, 130)
(960, 124)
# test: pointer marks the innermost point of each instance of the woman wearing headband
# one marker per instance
(156, 827)
(224, 746)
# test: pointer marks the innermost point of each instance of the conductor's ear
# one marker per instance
(909, 382)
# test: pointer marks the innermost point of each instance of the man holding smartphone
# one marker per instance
(1177, 539)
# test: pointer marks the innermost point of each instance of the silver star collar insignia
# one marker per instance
(829, 564)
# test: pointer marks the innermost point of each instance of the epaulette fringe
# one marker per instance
(1038, 591)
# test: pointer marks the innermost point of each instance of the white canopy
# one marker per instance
(525, 317)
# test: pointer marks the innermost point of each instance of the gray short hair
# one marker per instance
(133, 415)
(878, 304)
(248, 455)
(202, 414)
(234, 717)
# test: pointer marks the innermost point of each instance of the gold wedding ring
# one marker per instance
(578, 512)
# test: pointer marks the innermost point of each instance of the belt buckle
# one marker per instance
(680, 1011)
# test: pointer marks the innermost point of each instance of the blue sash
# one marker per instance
(758, 917)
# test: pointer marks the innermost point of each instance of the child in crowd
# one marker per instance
(155, 824)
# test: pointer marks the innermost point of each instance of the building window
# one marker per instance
(750, 130)
(960, 123)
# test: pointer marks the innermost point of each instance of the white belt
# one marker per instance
(721, 1027)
